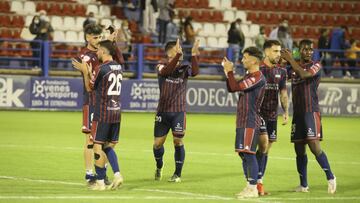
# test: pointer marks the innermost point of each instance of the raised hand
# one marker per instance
(286, 54)
(195, 49)
(178, 48)
(228, 65)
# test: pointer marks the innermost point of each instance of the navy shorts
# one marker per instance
(88, 114)
(306, 126)
(164, 121)
(270, 128)
(246, 140)
(105, 132)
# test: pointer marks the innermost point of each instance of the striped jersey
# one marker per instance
(107, 87)
(304, 91)
(91, 58)
(251, 94)
(275, 82)
(172, 79)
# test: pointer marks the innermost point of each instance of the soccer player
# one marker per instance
(251, 91)
(306, 123)
(171, 112)
(275, 85)
(93, 34)
(106, 121)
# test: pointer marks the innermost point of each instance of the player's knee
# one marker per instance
(178, 142)
(96, 156)
(90, 146)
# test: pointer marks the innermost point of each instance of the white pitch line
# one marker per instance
(41, 181)
(186, 193)
(119, 197)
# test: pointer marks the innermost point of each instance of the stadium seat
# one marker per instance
(79, 10)
(329, 20)
(222, 42)
(59, 36)
(273, 18)
(241, 15)
(248, 42)
(68, 9)
(104, 11)
(220, 30)
(26, 35)
(69, 23)
(197, 26)
(206, 14)
(341, 20)
(92, 8)
(5, 21)
(245, 29)
(307, 19)
(217, 16)
(229, 16)
(41, 6)
(6, 33)
(214, 3)
(29, 7)
(117, 23)
(263, 18)
(225, 4)
(212, 42)
(55, 9)
(353, 20)
(4, 6)
(203, 3)
(106, 22)
(18, 21)
(347, 7)
(254, 30)
(81, 36)
(252, 16)
(208, 29)
(28, 20)
(281, 6)
(57, 23)
(71, 36)
(318, 20)
(196, 15)
(79, 23)
(16, 6)
(202, 41)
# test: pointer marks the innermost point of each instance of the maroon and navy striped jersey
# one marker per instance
(172, 80)
(275, 82)
(251, 94)
(91, 58)
(304, 91)
(107, 87)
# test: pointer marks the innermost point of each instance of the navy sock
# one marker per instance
(112, 157)
(101, 172)
(158, 154)
(179, 159)
(262, 161)
(301, 164)
(324, 163)
(252, 168)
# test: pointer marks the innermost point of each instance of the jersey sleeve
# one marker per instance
(282, 83)
(244, 84)
(96, 80)
(315, 69)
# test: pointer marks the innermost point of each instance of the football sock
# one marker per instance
(179, 159)
(100, 172)
(158, 154)
(112, 157)
(89, 172)
(301, 164)
(262, 161)
(324, 163)
(252, 168)
(244, 165)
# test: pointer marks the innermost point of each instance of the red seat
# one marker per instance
(246, 5)
(217, 16)
(353, 20)
(183, 13)
(16, 34)
(263, 18)
(203, 4)
(236, 4)
(291, 6)
(336, 7)
(271, 5)
(206, 15)
(68, 9)
(340, 20)
(329, 20)
(80, 10)
(282, 6)
(41, 6)
(347, 7)
(5, 21)
(18, 21)
(251, 16)
(298, 32)
(180, 4)
(6, 33)
(327, 7)
(318, 20)
(55, 9)
(296, 19)
(307, 19)
(5, 48)
(196, 15)
(313, 33)
(4, 6)
(274, 18)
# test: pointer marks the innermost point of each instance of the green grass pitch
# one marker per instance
(42, 161)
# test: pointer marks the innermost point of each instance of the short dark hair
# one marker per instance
(93, 29)
(255, 52)
(169, 45)
(270, 43)
(305, 42)
(352, 41)
(108, 45)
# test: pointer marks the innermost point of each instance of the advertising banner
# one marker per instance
(14, 91)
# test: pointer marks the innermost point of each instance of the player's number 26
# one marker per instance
(115, 86)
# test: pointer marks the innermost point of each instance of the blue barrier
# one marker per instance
(142, 59)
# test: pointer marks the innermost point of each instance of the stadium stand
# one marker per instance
(213, 17)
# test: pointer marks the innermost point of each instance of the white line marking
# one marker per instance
(41, 181)
(186, 193)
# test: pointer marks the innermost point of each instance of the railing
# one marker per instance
(52, 56)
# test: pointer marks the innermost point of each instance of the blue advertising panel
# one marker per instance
(14, 91)
(56, 93)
